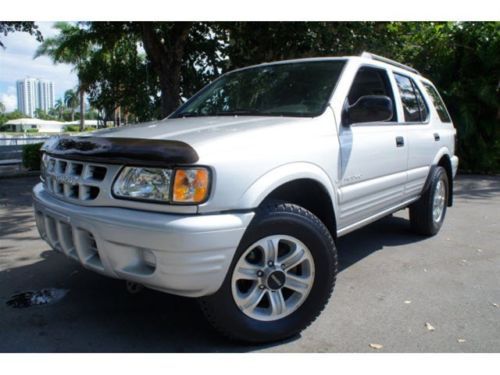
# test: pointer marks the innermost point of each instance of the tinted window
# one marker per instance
(413, 104)
(438, 102)
(371, 81)
(424, 111)
(289, 89)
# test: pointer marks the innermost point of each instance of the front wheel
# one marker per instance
(281, 277)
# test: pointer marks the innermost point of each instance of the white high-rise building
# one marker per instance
(45, 95)
(27, 96)
(33, 93)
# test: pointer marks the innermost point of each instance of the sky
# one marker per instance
(16, 62)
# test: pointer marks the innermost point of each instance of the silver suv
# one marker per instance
(237, 198)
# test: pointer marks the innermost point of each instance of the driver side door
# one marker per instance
(373, 156)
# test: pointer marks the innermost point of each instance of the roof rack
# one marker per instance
(372, 56)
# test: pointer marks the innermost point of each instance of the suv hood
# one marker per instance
(197, 130)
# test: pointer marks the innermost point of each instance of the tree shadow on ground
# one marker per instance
(387, 232)
(15, 193)
(98, 315)
(477, 187)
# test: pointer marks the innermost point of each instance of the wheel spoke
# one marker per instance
(270, 247)
(253, 281)
(438, 201)
(277, 300)
(294, 258)
(246, 271)
(297, 283)
(249, 301)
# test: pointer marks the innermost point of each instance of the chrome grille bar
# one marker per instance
(74, 180)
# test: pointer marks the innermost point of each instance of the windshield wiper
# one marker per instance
(189, 114)
(221, 113)
(237, 113)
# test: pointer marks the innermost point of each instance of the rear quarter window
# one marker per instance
(438, 103)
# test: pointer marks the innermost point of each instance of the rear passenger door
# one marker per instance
(373, 155)
(421, 140)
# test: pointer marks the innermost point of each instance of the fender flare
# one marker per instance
(283, 174)
(442, 152)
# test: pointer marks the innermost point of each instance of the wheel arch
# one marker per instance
(304, 184)
(442, 159)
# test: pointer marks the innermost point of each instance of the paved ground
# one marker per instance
(452, 281)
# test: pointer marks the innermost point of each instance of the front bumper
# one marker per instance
(178, 254)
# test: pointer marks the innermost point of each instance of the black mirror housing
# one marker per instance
(368, 108)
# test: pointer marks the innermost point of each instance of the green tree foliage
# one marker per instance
(25, 26)
(72, 101)
(118, 73)
(41, 114)
(463, 60)
(59, 108)
(31, 156)
(257, 42)
(165, 44)
(143, 70)
(70, 46)
(4, 117)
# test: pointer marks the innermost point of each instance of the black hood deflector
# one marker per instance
(131, 151)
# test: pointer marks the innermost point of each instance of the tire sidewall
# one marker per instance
(322, 250)
(439, 175)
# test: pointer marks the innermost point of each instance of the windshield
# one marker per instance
(288, 89)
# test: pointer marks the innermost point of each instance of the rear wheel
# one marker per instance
(427, 214)
(281, 277)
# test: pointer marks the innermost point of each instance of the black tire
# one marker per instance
(285, 219)
(421, 217)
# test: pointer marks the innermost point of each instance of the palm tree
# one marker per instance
(71, 101)
(70, 46)
(60, 107)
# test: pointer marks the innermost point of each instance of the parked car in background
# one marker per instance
(238, 197)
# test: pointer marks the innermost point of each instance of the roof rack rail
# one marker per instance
(372, 56)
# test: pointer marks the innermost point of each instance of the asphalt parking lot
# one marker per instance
(403, 292)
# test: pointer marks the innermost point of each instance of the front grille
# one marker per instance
(74, 180)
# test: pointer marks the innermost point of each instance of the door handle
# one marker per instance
(436, 137)
(400, 141)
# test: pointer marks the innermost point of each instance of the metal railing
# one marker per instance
(12, 148)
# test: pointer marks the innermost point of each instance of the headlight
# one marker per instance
(143, 183)
(181, 186)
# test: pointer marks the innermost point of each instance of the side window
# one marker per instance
(371, 81)
(424, 111)
(414, 107)
(437, 102)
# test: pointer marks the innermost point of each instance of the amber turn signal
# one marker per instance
(190, 185)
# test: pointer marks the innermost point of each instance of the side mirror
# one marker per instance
(368, 108)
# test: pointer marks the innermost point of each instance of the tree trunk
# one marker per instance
(82, 109)
(165, 50)
(125, 116)
(118, 116)
(72, 114)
